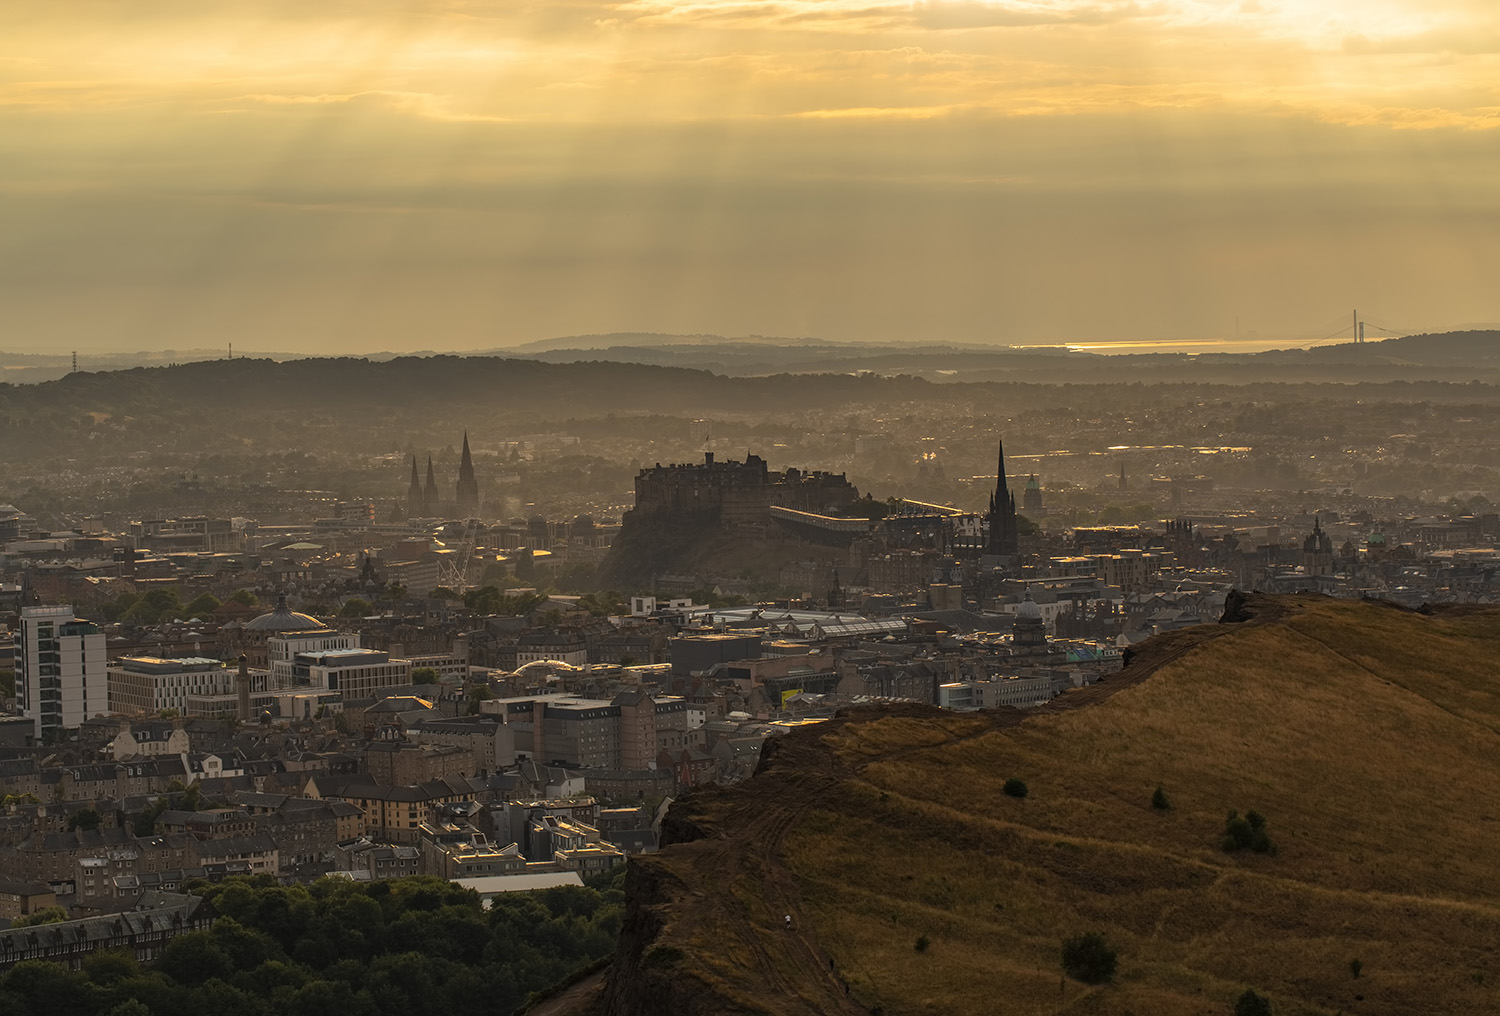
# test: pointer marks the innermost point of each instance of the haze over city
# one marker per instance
(772, 507)
(403, 175)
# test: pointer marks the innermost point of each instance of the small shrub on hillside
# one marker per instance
(1355, 967)
(1015, 788)
(1252, 1003)
(921, 944)
(662, 956)
(1237, 832)
(1160, 801)
(1245, 831)
(1088, 958)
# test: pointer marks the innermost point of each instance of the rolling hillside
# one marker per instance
(1368, 736)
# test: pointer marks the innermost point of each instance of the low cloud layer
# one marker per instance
(406, 174)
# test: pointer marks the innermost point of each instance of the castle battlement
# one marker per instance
(742, 493)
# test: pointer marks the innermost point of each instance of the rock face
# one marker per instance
(660, 543)
(1368, 737)
(705, 929)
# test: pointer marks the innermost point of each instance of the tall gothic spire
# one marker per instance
(468, 487)
(430, 496)
(1002, 515)
(415, 506)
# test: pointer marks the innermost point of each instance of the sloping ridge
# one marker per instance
(1369, 736)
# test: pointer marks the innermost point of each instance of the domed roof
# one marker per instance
(284, 618)
(1028, 610)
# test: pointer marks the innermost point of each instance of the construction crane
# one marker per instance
(454, 573)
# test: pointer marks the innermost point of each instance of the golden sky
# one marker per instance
(395, 174)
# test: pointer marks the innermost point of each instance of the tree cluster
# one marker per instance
(406, 947)
(1247, 831)
(177, 797)
(163, 604)
(491, 600)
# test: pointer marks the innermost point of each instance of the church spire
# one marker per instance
(430, 492)
(468, 487)
(415, 506)
(1002, 515)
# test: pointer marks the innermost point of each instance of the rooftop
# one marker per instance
(283, 618)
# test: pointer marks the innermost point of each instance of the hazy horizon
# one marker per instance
(407, 175)
(604, 342)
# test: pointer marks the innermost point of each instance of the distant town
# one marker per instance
(423, 681)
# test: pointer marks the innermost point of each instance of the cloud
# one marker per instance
(884, 15)
(421, 104)
(1466, 41)
(369, 167)
(953, 15)
(878, 113)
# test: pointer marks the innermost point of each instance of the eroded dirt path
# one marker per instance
(575, 1000)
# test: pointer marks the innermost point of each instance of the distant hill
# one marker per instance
(1473, 346)
(367, 406)
(1367, 736)
(1453, 356)
(614, 339)
(1450, 357)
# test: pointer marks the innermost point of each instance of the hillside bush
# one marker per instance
(1088, 958)
(1015, 788)
(1252, 1003)
(1248, 830)
(662, 956)
(1160, 801)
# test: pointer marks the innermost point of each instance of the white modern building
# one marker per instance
(146, 685)
(353, 673)
(329, 661)
(283, 652)
(60, 669)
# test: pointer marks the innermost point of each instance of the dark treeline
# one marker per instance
(404, 947)
(339, 384)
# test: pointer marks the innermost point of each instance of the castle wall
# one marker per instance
(742, 492)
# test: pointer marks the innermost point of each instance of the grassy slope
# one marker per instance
(1367, 736)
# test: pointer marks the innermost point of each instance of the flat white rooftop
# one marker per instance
(493, 885)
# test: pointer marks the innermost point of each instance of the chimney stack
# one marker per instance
(242, 686)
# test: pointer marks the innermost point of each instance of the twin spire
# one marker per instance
(424, 501)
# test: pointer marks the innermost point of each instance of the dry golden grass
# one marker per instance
(1370, 739)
